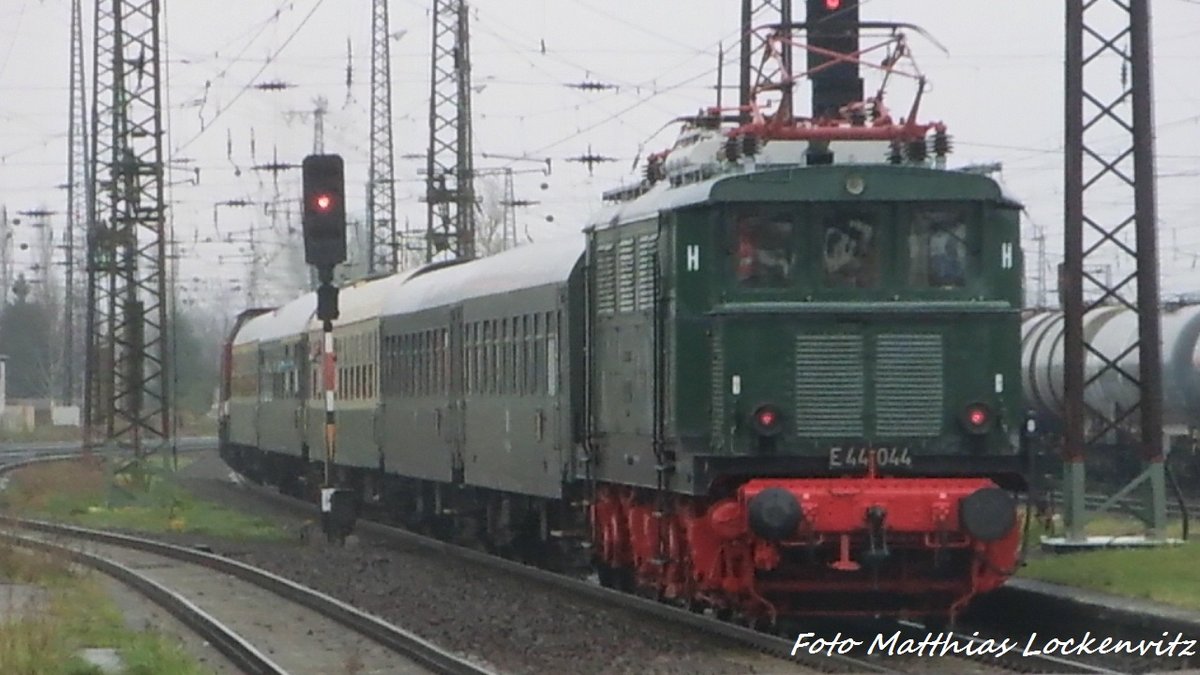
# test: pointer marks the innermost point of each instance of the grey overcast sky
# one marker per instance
(999, 88)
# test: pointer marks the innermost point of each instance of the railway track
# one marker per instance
(772, 645)
(234, 606)
(735, 635)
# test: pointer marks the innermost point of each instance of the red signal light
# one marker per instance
(323, 203)
(833, 5)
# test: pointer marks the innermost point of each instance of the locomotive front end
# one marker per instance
(864, 393)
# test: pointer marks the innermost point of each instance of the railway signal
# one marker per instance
(324, 210)
(324, 222)
(833, 27)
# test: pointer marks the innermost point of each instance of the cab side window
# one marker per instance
(937, 247)
(850, 251)
(764, 252)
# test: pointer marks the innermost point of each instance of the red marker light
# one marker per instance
(767, 418)
(323, 202)
(833, 5)
(977, 417)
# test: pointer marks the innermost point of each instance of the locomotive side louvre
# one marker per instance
(624, 279)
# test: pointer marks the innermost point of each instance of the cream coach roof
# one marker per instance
(527, 266)
(280, 322)
(363, 300)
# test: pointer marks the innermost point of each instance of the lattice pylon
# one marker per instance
(449, 178)
(381, 187)
(128, 386)
(79, 191)
(757, 13)
(1110, 221)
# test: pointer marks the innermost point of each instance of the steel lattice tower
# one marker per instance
(1110, 160)
(449, 171)
(127, 383)
(79, 195)
(760, 13)
(381, 188)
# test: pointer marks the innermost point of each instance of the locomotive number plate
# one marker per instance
(841, 457)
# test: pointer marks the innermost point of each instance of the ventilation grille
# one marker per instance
(626, 273)
(718, 389)
(646, 249)
(908, 385)
(606, 292)
(829, 386)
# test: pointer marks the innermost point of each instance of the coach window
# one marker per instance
(517, 337)
(427, 362)
(939, 256)
(763, 249)
(502, 362)
(850, 250)
(525, 378)
(403, 371)
(418, 364)
(410, 364)
(476, 387)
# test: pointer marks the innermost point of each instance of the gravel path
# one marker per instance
(485, 614)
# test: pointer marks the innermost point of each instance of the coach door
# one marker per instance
(455, 430)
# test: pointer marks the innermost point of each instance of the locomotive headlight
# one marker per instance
(767, 420)
(855, 184)
(977, 418)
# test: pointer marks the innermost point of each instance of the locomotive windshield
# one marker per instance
(937, 249)
(765, 250)
(924, 246)
(850, 251)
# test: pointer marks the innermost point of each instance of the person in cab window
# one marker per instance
(947, 257)
(764, 252)
(946, 266)
(849, 253)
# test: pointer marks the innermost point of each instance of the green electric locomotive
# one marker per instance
(803, 371)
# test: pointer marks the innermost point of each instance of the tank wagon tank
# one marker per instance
(1112, 331)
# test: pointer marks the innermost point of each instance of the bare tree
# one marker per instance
(489, 225)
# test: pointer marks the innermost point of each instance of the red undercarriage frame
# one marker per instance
(920, 562)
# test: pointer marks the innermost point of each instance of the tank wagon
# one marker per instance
(778, 377)
(1112, 331)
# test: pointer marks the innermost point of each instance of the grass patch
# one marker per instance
(44, 434)
(76, 614)
(146, 500)
(1167, 574)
